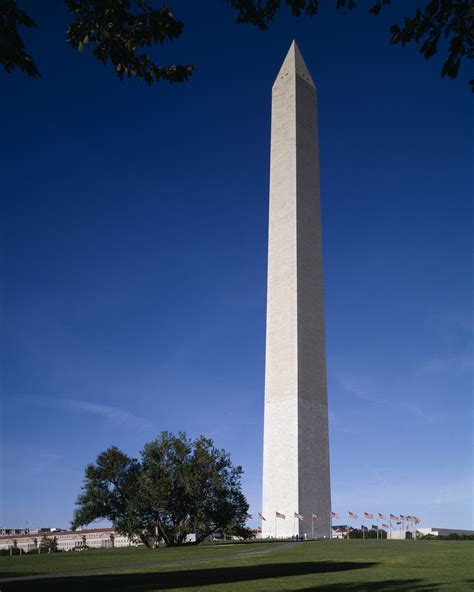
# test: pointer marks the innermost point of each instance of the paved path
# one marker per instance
(132, 566)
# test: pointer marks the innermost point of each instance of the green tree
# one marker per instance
(449, 19)
(116, 31)
(355, 533)
(121, 31)
(178, 487)
(49, 544)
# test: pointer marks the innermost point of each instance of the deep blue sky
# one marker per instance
(134, 260)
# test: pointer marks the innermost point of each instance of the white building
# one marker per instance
(13, 531)
(400, 535)
(444, 531)
(340, 531)
(68, 540)
(296, 483)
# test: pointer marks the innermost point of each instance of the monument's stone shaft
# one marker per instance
(296, 448)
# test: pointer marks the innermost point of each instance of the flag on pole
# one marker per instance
(262, 516)
(382, 517)
(282, 516)
(299, 516)
(375, 527)
(335, 515)
(393, 517)
(417, 520)
(363, 527)
(352, 515)
(385, 526)
(368, 515)
(316, 517)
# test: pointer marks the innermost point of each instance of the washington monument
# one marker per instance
(296, 449)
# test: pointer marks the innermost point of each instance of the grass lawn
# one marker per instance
(23, 565)
(354, 566)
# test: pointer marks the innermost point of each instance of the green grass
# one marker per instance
(349, 566)
(23, 565)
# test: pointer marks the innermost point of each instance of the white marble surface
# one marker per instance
(296, 452)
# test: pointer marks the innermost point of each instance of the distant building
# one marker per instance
(67, 540)
(444, 531)
(410, 535)
(340, 531)
(12, 531)
(400, 535)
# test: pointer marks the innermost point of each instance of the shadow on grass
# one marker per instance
(168, 580)
(413, 585)
(20, 574)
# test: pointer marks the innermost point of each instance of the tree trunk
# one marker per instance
(164, 534)
(199, 539)
(145, 541)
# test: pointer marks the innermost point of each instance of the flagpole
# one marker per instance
(312, 526)
(275, 525)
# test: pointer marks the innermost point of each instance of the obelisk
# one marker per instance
(296, 447)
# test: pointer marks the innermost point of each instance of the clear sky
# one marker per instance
(134, 230)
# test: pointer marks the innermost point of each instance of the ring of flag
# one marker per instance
(278, 515)
(397, 518)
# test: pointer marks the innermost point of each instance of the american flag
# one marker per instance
(417, 520)
(299, 516)
(369, 515)
(352, 515)
(393, 517)
(262, 516)
(316, 516)
(278, 515)
(335, 515)
(385, 526)
(382, 517)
